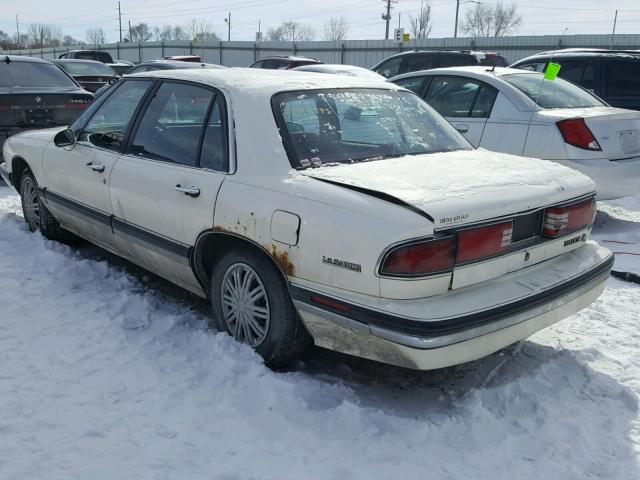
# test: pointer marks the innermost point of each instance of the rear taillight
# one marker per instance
(564, 220)
(483, 242)
(424, 258)
(76, 106)
(575, 132)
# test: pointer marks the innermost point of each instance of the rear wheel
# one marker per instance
(250, 301)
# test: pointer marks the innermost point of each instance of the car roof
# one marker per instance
(20, 58)
(265, 83)
(76, 60)
(293, 58)
(85, 51)
(339, 69)
(580, 52)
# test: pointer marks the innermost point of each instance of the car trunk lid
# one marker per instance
(463, 187)
(617, 130)
(35, 109)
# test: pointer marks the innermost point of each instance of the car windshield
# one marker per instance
(329, 127)
(33, 75)
(552, 94)
(87, 68)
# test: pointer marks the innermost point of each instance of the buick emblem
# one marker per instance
(38, 99)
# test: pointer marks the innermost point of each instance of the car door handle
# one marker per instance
(96, 167)
(462, 127)
(191, 191)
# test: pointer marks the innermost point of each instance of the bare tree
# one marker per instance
(140, 33)
(291, 32)
(39, 34)
(96, 36)
(421, 25)
(486, 20)
(55, 36)
(179, 33)
(200, 30)
(68, 40)
(5, 41)
(336, 28)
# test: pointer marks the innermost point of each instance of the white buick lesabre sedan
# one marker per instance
(319, 208)
(515, 111)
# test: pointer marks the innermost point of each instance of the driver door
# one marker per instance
(77, 190)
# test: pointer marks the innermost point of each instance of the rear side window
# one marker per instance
(390, 68)
(173, 123)
(454, 60)
(533, 66)
(623, 77)
(412, 83)
(460, 97)
(33, 75)
(108, 126)
(214, 143)
(419, 62)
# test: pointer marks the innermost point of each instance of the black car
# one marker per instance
(425, 60)
(35, 93)
(152, 65)
(613, 75)
(285, 62)
(97, 55)
(91, 75)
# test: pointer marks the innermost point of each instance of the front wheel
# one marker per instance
(250, 301)
(30, 200)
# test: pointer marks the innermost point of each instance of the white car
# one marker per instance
(318, 208)
(339, 69)
(514, 111)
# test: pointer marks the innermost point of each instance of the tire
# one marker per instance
(274, 331)
(37, 215)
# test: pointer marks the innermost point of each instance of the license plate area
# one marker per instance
(628, 140)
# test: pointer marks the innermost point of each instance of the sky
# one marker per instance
(540, 17)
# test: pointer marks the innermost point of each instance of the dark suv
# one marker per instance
(283, 62)
(97, 55)
(613, 75)
(425, 60)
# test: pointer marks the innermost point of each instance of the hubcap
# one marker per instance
(245, 304)
(31, 204)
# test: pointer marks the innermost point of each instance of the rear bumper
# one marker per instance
(428, 343)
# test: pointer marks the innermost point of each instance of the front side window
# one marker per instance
(460, 97)
(390, 68)
(329, 127)
(172, 124)
(552, 94)
(108, 126)
(456, 60)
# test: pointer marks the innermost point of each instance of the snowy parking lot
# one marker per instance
(107, 372)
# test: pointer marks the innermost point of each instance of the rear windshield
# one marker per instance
(103, 57)
(552, 94)
(329, 127)
(33, 75)
(82, 68)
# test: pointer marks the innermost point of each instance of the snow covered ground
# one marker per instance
(107, 372)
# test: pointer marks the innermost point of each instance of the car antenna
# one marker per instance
(492, 69)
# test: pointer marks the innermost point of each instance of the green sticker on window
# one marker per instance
(552, 71)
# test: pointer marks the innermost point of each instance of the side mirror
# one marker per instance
(64, 138)
(113, 80)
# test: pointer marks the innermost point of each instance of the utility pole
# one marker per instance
(228, 22)
(455, 30)
(18, 30)
(120, 21)
(615, 20)
(130, 39)
(387, 18)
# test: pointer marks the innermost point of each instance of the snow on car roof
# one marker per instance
(266, 82)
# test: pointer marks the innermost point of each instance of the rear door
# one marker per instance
(163, 191)
(466, 103)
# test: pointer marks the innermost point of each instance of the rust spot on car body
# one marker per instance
(282, 259)
(221, 229)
